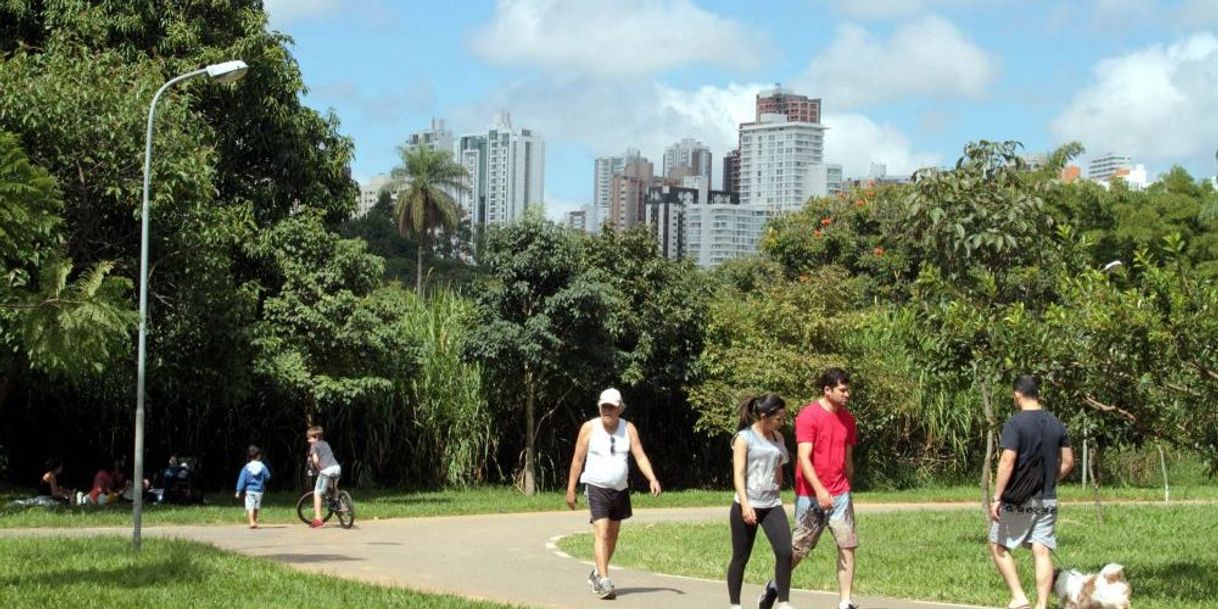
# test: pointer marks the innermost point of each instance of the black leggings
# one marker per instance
(778, 531)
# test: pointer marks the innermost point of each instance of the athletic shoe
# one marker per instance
(768, 596)
(604, 589)
(593, 579)
(316, 524)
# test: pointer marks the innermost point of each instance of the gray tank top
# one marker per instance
(765, 458)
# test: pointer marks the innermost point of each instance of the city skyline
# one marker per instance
(904, 84)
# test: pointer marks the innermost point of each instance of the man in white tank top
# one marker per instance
(601, 455)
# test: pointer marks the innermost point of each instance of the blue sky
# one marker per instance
(904, 82)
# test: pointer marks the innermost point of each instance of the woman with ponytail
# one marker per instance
(758, 454)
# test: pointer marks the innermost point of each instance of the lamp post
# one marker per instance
(228, 71)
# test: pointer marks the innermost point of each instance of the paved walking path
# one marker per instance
(502, 557)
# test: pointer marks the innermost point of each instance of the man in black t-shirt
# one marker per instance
(1031, 431)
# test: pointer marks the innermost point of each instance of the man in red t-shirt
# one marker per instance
(825, 433)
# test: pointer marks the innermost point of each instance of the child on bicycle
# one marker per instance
(322, 461)
(252, 482)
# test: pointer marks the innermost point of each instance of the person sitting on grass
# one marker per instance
(252, 482)
(107, 484)
(322, 461)
(48, 484)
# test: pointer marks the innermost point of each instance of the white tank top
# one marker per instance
(606, 465)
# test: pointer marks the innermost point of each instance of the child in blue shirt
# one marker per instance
(252, 482)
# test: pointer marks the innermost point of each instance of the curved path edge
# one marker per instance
(510, 558)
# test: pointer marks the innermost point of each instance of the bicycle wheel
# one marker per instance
(345, 509)
(304, 508)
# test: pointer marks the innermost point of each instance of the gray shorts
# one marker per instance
(811, 521)
(1022, 525)
(324, 477)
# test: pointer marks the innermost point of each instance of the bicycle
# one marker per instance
(333, 501)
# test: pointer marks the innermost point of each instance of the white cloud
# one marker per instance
(284, 11)
(926, 56)
(855, 141)
(891, 9)
(1156, 104)
(623, 39)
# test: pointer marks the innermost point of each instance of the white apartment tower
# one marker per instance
(1105, 166)
(688, 157)
(721, 229)
(778, 157)
(370, 193)
(436, 137)
(506, 168)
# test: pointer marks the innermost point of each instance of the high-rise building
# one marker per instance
(507, 171)
(370, 193)
(603, 176)
(797, 108)
(688, 157)
(578, 220)
(628, 193)
(777, 157)
(825, 180)
(1107, 165)
(666, 208)
(436, 137)
(723, 229)
(731, 171)
(689, 220)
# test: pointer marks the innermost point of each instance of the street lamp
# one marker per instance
(228, 71)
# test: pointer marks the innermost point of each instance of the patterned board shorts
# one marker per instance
(253, 501)
(1023, 525)
(811, 521)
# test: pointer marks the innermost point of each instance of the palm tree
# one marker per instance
(425, 184)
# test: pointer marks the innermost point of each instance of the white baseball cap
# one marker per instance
(612, 397)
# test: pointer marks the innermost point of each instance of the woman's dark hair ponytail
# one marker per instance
(748, 411)
(755, 407)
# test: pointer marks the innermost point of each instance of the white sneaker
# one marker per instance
(604, 589)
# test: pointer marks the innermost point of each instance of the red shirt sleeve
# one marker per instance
(805, 426)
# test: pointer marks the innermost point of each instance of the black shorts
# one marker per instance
(608, 503)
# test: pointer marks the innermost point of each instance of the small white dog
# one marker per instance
(1104, 590)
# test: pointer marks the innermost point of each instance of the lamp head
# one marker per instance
(228, 71)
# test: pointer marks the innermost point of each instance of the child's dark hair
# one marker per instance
(51, 464)
(254, 452)
(316, 431)
(758, 406)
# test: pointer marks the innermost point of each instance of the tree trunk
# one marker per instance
(987, 465)
(418, 281)
(530, 436)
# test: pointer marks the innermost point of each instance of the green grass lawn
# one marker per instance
(279, 507)
(102, 572)
(1168, 552)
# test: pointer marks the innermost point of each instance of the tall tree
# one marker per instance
(425, 183)
(48, 323)
(540, 334)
